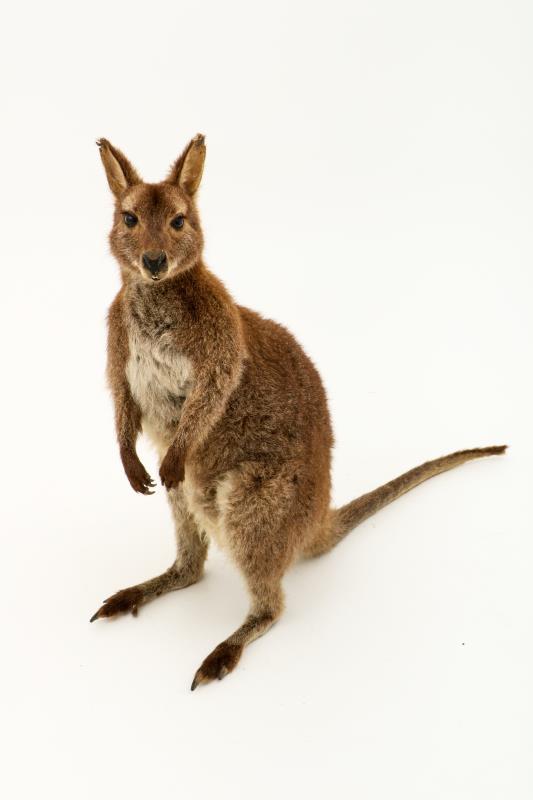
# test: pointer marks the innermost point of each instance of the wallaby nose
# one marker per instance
(155, 262)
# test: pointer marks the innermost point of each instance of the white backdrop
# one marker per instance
(368, 184)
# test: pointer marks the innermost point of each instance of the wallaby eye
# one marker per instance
(178, 222)
(130, 219)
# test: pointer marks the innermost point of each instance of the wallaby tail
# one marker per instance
(344, 519)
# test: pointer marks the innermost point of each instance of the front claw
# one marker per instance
(218, 664)
(138, 477)
(123, 602)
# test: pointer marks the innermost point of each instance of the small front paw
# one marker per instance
(135, 472)
(172, 470)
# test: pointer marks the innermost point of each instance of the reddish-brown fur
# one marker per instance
(234, 406)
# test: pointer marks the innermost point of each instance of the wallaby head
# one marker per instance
(156, 229)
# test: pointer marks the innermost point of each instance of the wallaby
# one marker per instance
(233, 405)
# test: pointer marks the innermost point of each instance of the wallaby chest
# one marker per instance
(159, 375)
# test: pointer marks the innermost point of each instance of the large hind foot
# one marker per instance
(123, 602)
(218, 664)
(130, 600)
(266, 607)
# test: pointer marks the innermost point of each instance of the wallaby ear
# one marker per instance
(120, 173)
(187, 169)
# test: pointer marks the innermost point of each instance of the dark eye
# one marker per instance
(178, 222)
(130, 219)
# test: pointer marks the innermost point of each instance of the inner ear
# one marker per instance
(120, 173)
(187, 170)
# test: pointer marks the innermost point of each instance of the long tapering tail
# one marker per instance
(344, 519)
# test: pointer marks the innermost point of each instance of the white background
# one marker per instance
(368, 183)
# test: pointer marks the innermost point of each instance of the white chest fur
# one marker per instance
(160, 378)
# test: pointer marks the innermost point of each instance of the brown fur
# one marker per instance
(234, 406)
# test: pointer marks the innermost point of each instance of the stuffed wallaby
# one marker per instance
(235, 408)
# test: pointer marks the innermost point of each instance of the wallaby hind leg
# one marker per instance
(261, 541)
(187, 569)
(266, 607)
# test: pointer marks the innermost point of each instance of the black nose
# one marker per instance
(155, 262)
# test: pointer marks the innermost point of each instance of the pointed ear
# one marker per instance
(187, 170)
(120, 173)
